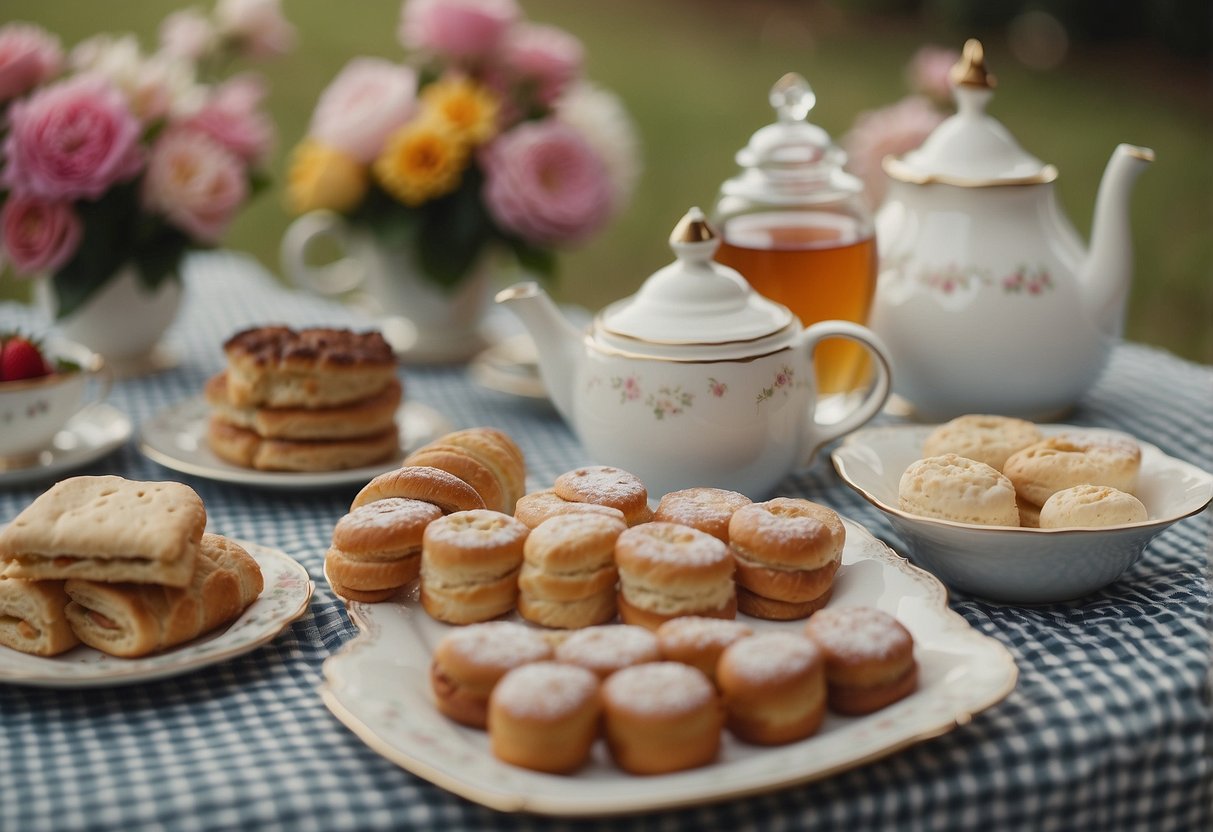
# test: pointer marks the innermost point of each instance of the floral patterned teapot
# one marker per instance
(986, 298)
(696, 379)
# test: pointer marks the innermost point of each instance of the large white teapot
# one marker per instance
(986, 298)
(696, 379)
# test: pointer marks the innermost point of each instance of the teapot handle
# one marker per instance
(818, 433)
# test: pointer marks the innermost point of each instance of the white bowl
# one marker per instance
(1019, 565)
(32, 411)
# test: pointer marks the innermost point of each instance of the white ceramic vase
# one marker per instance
(423, 322)
(123, 320)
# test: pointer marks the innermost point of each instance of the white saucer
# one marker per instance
(510, 366)
(176, 439)
(288, 590)
(89, 435)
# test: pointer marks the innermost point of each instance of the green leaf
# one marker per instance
(454, 231)
(536, 261)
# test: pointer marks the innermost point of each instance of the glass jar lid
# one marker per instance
(792, 160)
(694, 301)
(971, 148)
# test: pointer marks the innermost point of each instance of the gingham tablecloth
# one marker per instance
(1109, 727)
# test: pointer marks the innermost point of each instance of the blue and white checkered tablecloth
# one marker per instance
(1110, 726)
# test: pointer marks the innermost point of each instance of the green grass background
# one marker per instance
(694, 75)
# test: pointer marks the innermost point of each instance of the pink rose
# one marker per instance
(461, 29)
(258, 26)
(195, 182)
(363, 105)
(29, 55)
(72, 139)
(232, 118)
(928, 71)
(38, 236)
(187, 33)
(892, 130)
(545, 57)
(545, 184)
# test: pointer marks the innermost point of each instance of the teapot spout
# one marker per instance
(1108, 268)
(557, 342)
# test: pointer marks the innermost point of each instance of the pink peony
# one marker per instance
(195, 182)
(927, 72)
(545, 57)
(29, 55)
(72, 139)
(545, 184)
(232, 118)
(37, 235)
(363, 105)
(893, 130)
(257, 26)
(187, 33)
(461, 29)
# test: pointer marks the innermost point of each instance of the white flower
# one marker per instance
(155, 87)
(257, 25)
(187, 33)
(600, 117)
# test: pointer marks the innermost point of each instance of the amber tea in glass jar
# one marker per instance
(794, 224)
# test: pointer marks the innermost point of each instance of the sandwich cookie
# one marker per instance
(606, 486)
(469, 565)
(376, 548)
(568, 573)
(667, 570)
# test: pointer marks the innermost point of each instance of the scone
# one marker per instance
(699, 641)
(248, 449)
(366, 417)
(469, 565)
(568, 573)
(667, 570)
(608, 649)
(532, 509)
(469, 661)
(786, 551)
(774, 687)
(869, 658)
(661, 717)
(950, 487)
(706, 509)
(32, 617)
(275, 366)
(107, 529)
(985, 438)
(545, 716)
(606, 486)
(376, 548)
(131, 620)
(1089, 506)
(1065, 460)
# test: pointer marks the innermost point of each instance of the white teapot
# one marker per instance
(986, 298)
(696, 379)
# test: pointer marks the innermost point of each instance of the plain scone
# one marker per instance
(951, 487)
(985, 438)
(1085, 506)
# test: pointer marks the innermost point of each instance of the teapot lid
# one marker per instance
(970, 149)
(792, 159)
(694, 301)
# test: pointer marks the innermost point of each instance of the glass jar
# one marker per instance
(797, 227)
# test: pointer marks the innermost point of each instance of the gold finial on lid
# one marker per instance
(693, 228)
(970, 70)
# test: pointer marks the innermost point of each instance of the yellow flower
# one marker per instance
(466, 107)
(321, 177)
(422, 160)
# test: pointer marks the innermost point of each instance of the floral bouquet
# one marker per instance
(486, 136)
(111, 156)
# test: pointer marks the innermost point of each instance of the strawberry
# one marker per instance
(20, 358)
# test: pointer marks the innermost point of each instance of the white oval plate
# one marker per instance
(1013, 564)
(288, 590)
(176, 439)
(378, 685)
(92, 433)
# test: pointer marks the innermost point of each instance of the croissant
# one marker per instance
(31, 617)
(132, 620)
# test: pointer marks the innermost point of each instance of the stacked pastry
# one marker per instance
(122, 566)
(305, 400)
(377, 548)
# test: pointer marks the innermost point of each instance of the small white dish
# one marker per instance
(378, 686)
(176, 439)
(1019, 565)
(34, 410)
(288, 591)
(92, 433)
